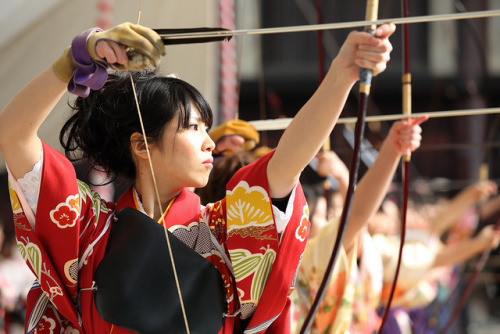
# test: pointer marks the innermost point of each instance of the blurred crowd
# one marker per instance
(444, 233)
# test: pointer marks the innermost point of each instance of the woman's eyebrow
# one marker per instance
(195, 117)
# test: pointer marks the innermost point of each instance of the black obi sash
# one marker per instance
(135, 284)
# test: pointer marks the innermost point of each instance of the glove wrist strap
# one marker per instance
(89, 73)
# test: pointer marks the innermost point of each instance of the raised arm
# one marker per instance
(329, 164)
(25, 113)
(314, 122)
(488, 238)
(373, 186)
(21, 118)
(468, 197)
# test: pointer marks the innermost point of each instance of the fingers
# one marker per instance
(364, 50)
(485, 189)
(418, 120)
(144, 46)
(490, 236)
(410, 133)
(114, 53)
(373, 52)
(154, 47)
(407, 134)
(385, 30)
(151, 36)
(411, 142)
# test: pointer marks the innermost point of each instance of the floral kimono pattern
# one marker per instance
(415, 288)
(369, 284)
(352, 294)
(66, 241)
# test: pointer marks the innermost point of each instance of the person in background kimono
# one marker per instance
(233, 136)
(428, 258)
(62, 227)
(15, 282)
(353, 292)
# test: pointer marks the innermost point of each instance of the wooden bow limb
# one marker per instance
(481, 262)
(467, 290)
(364, 91)
(406, 81)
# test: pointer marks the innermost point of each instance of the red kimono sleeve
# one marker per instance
(264, 264)
(66, 224)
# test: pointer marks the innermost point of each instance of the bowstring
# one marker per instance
(155, 184)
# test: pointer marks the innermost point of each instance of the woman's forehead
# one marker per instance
(195, 113)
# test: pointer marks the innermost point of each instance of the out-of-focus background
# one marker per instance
(455, 65)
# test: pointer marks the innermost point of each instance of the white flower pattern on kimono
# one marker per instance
(45, 326)
(66, 214)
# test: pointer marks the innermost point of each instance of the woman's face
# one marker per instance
(383, 223)
(184, 157)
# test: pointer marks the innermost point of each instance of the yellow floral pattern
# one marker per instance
(249, 206)
(14, 201)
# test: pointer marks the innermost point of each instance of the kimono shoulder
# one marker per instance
(263, 263)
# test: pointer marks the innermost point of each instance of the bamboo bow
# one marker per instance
(365, 76)
(406, 85)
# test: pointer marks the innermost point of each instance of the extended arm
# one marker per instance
(461, 202)
(329, 164)
(488, 238)
(372, 188)
(314, 122)
(490, 208)
(23, 116)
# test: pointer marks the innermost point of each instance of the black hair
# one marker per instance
(101, 124)
(224, 169)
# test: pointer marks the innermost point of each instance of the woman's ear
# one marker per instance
(138, 145)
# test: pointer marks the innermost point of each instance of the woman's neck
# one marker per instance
(149, 201)
(149, 193)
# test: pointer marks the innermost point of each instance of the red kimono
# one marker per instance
(237, 235)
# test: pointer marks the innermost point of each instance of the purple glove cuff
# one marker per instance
(89, 74)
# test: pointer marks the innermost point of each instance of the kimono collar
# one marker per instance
(185, 207)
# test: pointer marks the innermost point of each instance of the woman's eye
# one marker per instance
(193, 126)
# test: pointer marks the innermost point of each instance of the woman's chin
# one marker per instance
(200, 184)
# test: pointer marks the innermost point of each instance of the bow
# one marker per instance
(478, 267)
(481, 262)
(406, 82)
(365, 76)
(467, 290)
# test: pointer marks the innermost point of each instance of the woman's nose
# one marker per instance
(209, 144)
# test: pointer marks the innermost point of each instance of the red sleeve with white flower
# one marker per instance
(66, 224)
